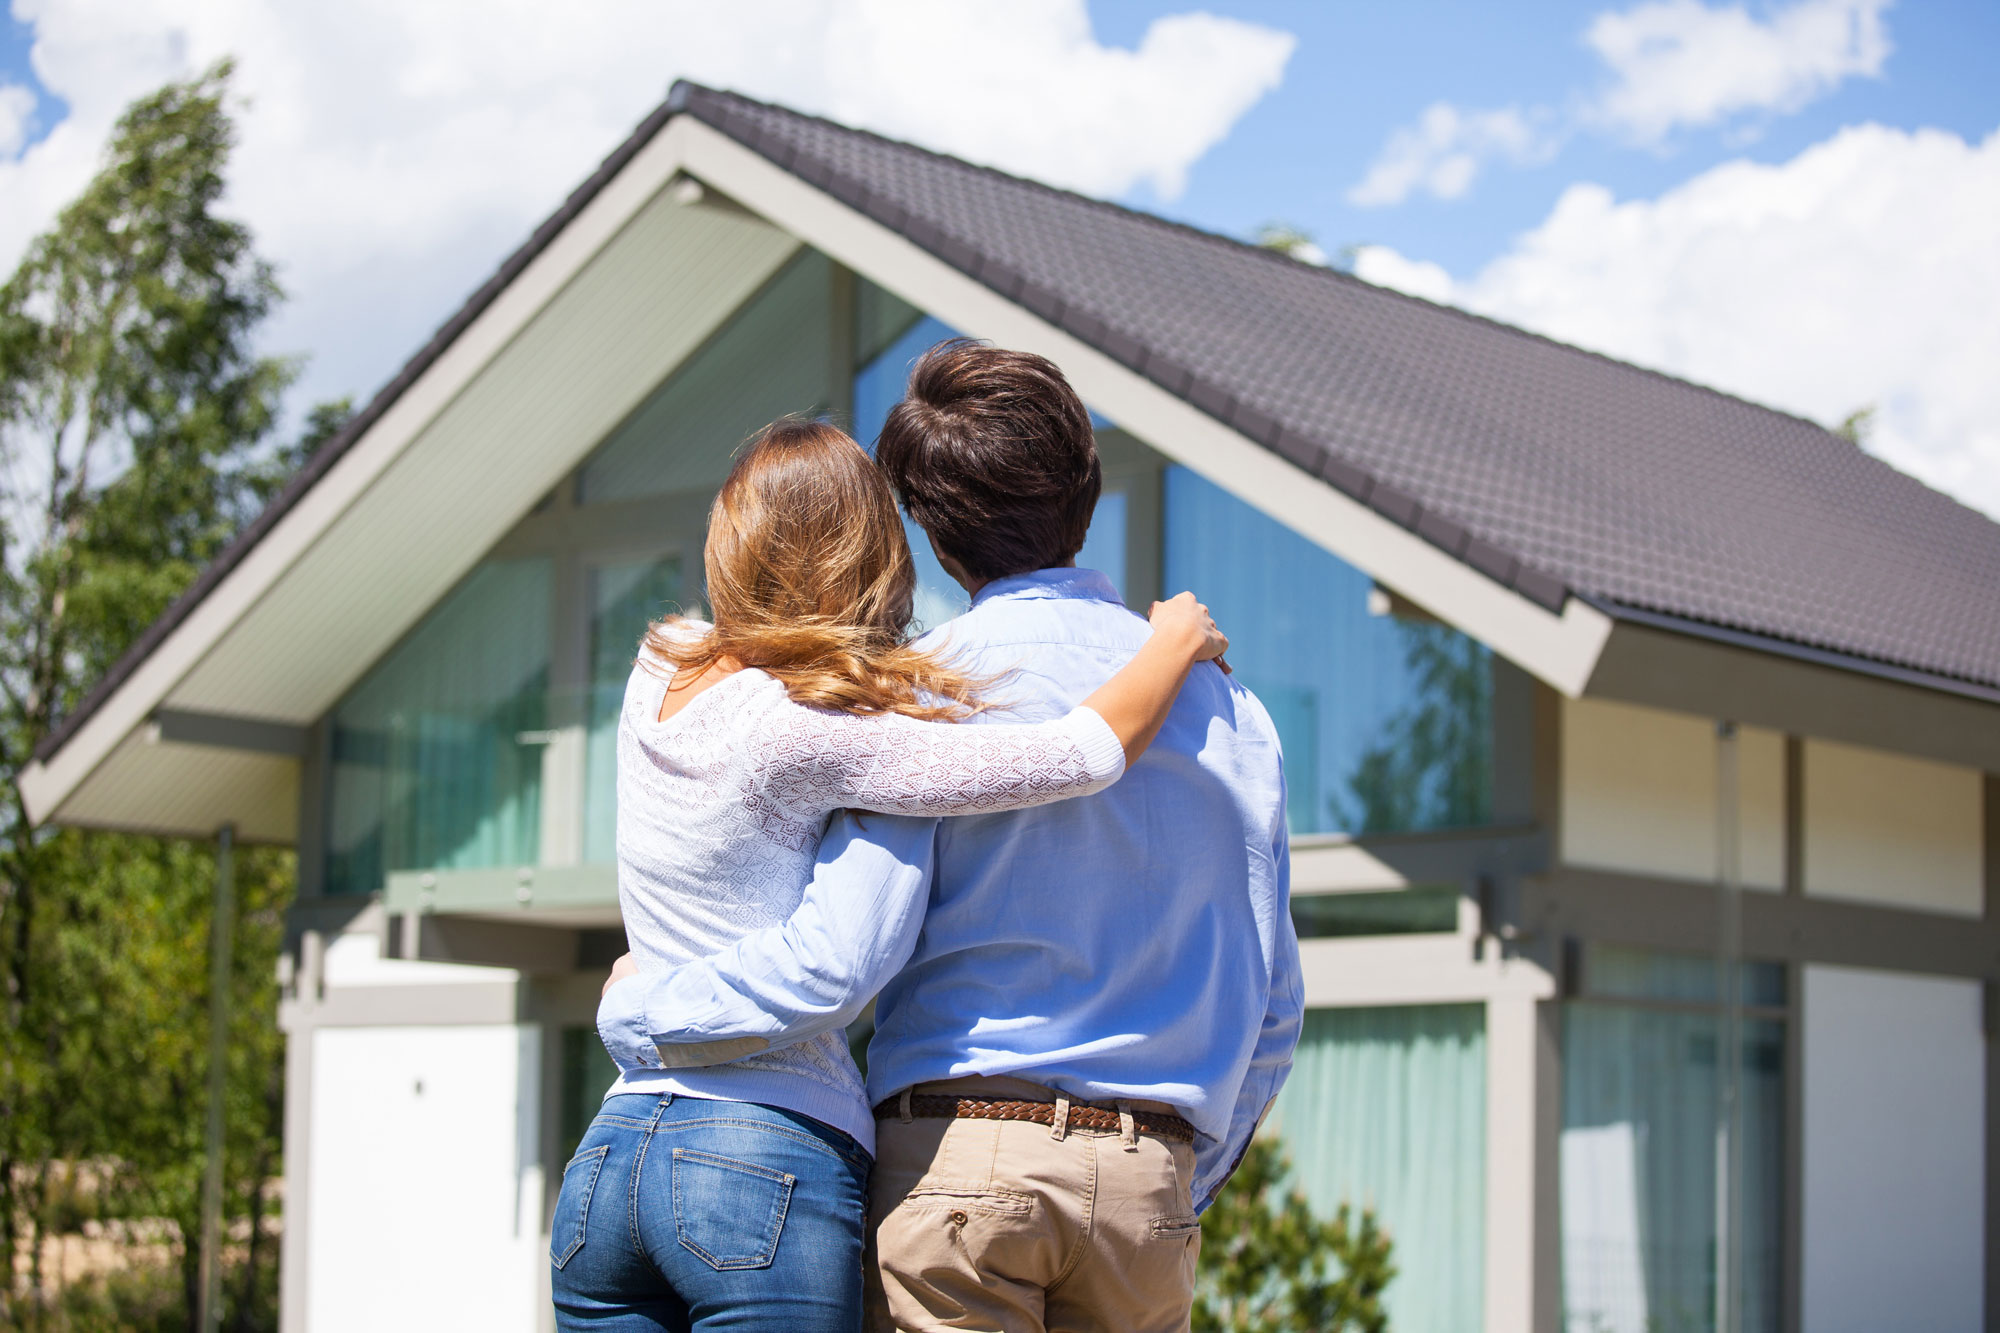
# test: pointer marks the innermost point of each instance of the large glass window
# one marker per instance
(624, 599)
(1639, 1158)
(437, 753)
(1386, 1108)
(1386, 720)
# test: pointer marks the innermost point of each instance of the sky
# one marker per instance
(1797, 201)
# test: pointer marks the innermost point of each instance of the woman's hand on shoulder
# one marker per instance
(1187, 619)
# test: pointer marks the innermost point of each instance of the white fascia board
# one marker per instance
(46, 785)
(1342, 868)
(1365, 973)
(1561, 649)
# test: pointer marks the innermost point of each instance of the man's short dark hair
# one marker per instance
(991, 452)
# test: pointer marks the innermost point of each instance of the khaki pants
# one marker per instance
(1003, 1226)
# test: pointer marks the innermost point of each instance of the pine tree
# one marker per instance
(1269, 1264)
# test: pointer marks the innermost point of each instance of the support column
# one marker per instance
(1990, 1014)
(1523, 1125)
(295, 1017)
(208, 1306)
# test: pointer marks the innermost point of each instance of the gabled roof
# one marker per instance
(1548, 468)
(1551, 471)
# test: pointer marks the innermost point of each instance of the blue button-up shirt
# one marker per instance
(1132, 944)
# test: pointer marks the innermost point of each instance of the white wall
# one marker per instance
(1639, 793)
(426, 1188)
(1889, 829)
(1894, 1152)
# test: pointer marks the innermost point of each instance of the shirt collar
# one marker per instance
(1086, 584)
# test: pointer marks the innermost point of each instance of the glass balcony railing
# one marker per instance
(524, 782)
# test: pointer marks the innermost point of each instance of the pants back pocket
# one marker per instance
(579, 1182)
(729, 1213)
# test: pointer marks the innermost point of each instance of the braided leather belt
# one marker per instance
(1081, 1115)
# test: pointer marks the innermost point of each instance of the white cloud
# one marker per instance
(1678, 62)
(1860, 273)
(1417, 277)
(1673, 63)
(17, 110)
(1443, 151)
(392, 152)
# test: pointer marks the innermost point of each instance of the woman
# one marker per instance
(732, 1195)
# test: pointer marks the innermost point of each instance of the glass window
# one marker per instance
(1386, 722)
(1104, 545)
(624, 600)
(1419, 910)
(879, 386)
(1614, 971)
(1386, 1108)
(773, 357)
(437, 753)
(1641, 1107)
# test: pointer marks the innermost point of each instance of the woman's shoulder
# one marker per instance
(674, 632)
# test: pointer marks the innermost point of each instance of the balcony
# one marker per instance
(505, 811)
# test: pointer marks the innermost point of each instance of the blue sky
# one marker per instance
(1361, 70)
(1675, 202)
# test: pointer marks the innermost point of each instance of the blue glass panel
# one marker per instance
(1387, 723)
(1104, 545)
(879, 386)
(437, 753)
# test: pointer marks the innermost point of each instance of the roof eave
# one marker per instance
(1773, 646)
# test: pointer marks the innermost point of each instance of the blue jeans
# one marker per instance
(680, 1213)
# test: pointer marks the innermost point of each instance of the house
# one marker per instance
(1598, 689)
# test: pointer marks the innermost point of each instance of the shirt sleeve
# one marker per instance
(900, 765)
(1271, 1059)
(814, 972)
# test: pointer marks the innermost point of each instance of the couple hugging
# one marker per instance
(1086, 1006)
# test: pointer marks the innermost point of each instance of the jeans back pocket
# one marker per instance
(579, 1182)
(729, 1213)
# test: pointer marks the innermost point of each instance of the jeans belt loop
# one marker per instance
(903, 1106)
(1128, 1128)
(1060, 1130)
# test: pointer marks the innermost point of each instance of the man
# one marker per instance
(1097, 1000)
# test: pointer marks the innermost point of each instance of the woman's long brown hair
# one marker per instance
(810, 580)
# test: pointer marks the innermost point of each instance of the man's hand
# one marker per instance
(621, 969)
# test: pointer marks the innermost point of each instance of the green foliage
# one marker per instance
(135, 420)
(1433, 766)
(1286, 239)
(1270, 1265)
(144, 1296)
(1857, 427)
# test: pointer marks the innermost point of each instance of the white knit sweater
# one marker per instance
(720, 812)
